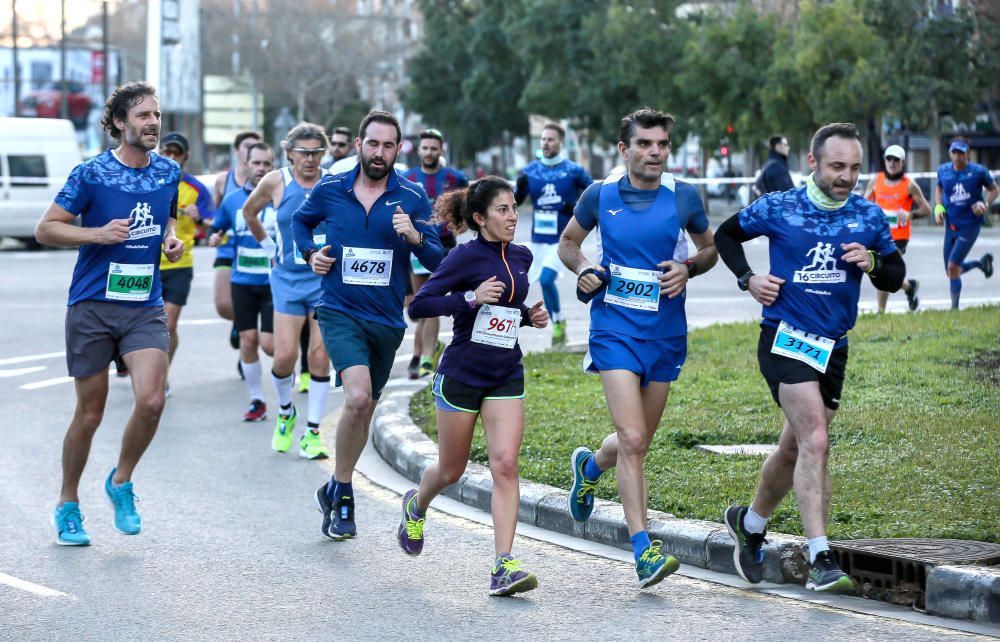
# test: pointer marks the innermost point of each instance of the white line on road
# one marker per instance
(31, 357)
(30, 587)
(17, 372)
(202, 321)
(45, 383)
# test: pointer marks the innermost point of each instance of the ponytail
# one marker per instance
(456, 208)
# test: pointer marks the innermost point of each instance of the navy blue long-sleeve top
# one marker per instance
(464, 269)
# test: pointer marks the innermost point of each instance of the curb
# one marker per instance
(959, 592)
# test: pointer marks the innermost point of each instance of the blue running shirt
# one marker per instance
(554, 191)
(960, 189)
(289, 256)
(251, 265)
(820, 293)
(101, 189)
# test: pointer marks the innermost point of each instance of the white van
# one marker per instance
(36, 156)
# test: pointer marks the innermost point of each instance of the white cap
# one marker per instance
(896, 152)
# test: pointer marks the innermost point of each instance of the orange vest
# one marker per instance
(892, 198)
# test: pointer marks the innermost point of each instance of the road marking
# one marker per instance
(31, 357)
(203, 322)
(20, 371)
(30, 587)
(45, 383)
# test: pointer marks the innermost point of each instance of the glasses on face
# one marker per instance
(315, 151)
(958, 151)
(893, 159)
(338, 144)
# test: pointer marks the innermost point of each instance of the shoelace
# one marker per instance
(509, 565)
(586, 487)
(652, 554)
(414, 527)
(124, 500)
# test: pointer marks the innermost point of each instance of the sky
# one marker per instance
(48, 13)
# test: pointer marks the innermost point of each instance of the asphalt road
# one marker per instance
(231, 547)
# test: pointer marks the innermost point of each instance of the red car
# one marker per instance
(45, 103)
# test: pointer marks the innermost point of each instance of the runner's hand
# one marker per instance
(173, 248)
(404, 226)
(215, 239)
(903, 217)
(764, 288)
(193, 213)
(489, 291)
(114, 231)
(674, 280)
(589, 283)
(857, 254)
(979, 208)
(538, 316)
(321, 262)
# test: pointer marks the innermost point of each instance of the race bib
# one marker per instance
(892, 218)
(318, 239)
(811, 349)
(546, 222)
(129, 282)
(417, 267)
(366, 266)
(496, 326)
(633, 288)
(253, 260)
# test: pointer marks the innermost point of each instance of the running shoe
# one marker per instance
(652, 566)
(987, 261)
(325, 507)
(122, 499)
(234, 338)
(826, 576)
(911, 296)
(559, 333)
(121, 369)
(748, 556)
(256, 411)
(426, 367)
(438, 351)
(413, 370)
(509, 578)
(311, 446)
(411, 527)
(282, 439)
(581, 494)
(304, 380)
(68, 522)
(342, 525)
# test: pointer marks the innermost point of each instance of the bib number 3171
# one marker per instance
(811, 349)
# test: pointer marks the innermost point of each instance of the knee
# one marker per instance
(504, 467)
(816, 444)
(357, 401)
(90, 417)
(632, 443)
(451, 474)
(954, 271)
(151, 404)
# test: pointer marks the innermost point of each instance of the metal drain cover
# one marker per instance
(925, 551)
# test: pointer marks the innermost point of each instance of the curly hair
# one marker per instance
(120, 101)
(457, 207)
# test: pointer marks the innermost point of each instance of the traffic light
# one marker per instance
(724, 150)
(730, 129)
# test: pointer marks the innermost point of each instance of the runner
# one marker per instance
(436, 180)
(895, 193)
(819, 237)
(126, 200)
(295, 289)
(194, 205)
(251, 283)
(372, 219)
(554, 185)
(638, 331)
(340, 146)
(480, 373)
(225, 184)
(961, 207)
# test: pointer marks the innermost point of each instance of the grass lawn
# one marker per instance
(915, 447)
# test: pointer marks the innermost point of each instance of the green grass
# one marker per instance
(915, 447)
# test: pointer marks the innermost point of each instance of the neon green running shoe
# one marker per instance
(304, 380)
(311, 446)
(438, 351)
(282, 439)
(426, 367)
(559, 333)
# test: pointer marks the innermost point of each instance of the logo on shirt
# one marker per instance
(391, 203)
(142, 223)
(549, 196)
(613, 212)
(823, 268)
(958, 194)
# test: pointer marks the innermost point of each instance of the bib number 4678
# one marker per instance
(368, 267)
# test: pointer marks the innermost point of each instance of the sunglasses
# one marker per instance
(316, 151)
(339, 144)
(893, 159)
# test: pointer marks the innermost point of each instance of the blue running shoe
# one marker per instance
(653, 566)
(826, 576)
(68, 522)
(325, 507)
(581, 494)
(122, 499)
(342, 527)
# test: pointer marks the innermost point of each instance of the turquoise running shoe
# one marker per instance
(581, 493)
(68, 522)
(652, 566)
(122, 499)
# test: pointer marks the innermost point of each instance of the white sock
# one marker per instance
(753, 522)
(816, 546)
(318, 392)
(283, 389)
(251, 372)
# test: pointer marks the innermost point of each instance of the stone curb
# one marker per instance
(961, 592)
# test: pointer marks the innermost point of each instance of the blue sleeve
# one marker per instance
(583, 179)
(756, 218)
(223, 218)
(585, 211)
(74, 197)
(691, 209)
(987, 178)
(461, 180)
(430, 252)
(309, 215)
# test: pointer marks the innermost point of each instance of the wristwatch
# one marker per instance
(470, 298)
(307, 254)
(744, 281)
(692, 268)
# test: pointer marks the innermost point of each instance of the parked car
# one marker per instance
(46, 103)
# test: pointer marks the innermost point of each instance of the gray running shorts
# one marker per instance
(98, 330)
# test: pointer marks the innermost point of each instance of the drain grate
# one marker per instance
(895, 570)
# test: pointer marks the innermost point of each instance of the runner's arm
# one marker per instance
(429, 251)
(219, 188)
(307, 217)
(571, 247)
(889, 272)
(521, 189)
(57, 228)
(870, 190)
(729, 240)
(437, 296)
(257, 201)
(707, 255)
(923, 208)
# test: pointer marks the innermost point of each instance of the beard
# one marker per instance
(827, 187)
(134, 137)
(895, 177)
(375, 173)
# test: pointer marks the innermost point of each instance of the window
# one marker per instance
(27, 171)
